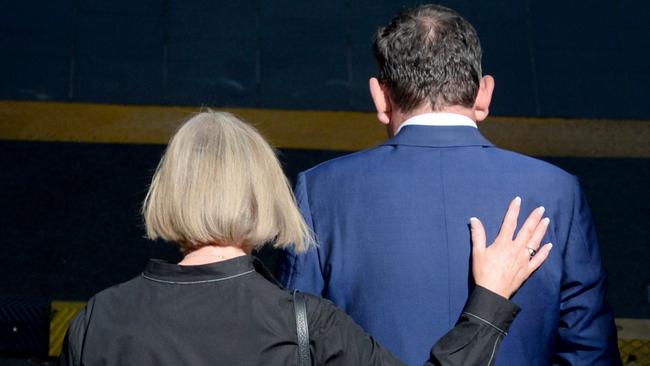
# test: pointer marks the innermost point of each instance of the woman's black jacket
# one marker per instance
(234, 313)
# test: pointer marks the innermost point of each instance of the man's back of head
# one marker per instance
(429, 60)
(429, 54)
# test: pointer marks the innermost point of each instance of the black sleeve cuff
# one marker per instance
(492, 309)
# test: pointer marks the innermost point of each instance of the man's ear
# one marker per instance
(381, 100)
(483, 98)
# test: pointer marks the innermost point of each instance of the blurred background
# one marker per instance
(90, 92)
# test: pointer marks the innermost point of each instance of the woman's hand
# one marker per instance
(504, 266)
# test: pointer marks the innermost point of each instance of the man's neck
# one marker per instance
(398, 118)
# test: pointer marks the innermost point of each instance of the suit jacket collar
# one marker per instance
(439, 136)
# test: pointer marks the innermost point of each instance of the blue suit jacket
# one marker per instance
(394, 246)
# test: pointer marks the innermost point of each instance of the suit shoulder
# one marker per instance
(345, 163)
(537, 168)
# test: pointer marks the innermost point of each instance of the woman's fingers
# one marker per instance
(539, 258)
(528, 229)
(526, 268)
(510, 220)
(479, 240)
(504, 266)
(537, 236)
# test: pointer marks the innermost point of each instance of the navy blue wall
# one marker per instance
(550, 57)
(68, 208)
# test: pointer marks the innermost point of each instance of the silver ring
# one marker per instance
(531, 252)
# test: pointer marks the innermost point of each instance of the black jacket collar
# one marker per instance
(162, 271)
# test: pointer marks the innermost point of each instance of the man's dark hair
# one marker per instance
(429, 53)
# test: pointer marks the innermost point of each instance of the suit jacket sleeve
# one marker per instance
(586, 334)
(302, 271)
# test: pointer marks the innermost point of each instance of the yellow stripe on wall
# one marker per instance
(322, 130)
(62, 314)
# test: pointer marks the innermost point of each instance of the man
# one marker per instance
(391, 221)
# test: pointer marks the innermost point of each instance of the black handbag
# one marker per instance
(302, 329)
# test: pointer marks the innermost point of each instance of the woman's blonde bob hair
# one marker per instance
(220, 183)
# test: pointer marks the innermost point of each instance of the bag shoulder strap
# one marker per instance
(302, 329)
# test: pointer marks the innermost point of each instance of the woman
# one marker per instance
(219, 193)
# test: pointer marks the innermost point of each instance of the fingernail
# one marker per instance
(541, 209)
(517, 200)
(550, 246)
(473, 219)
(546, 221)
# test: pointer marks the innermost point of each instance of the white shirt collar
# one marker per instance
(438, 119)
